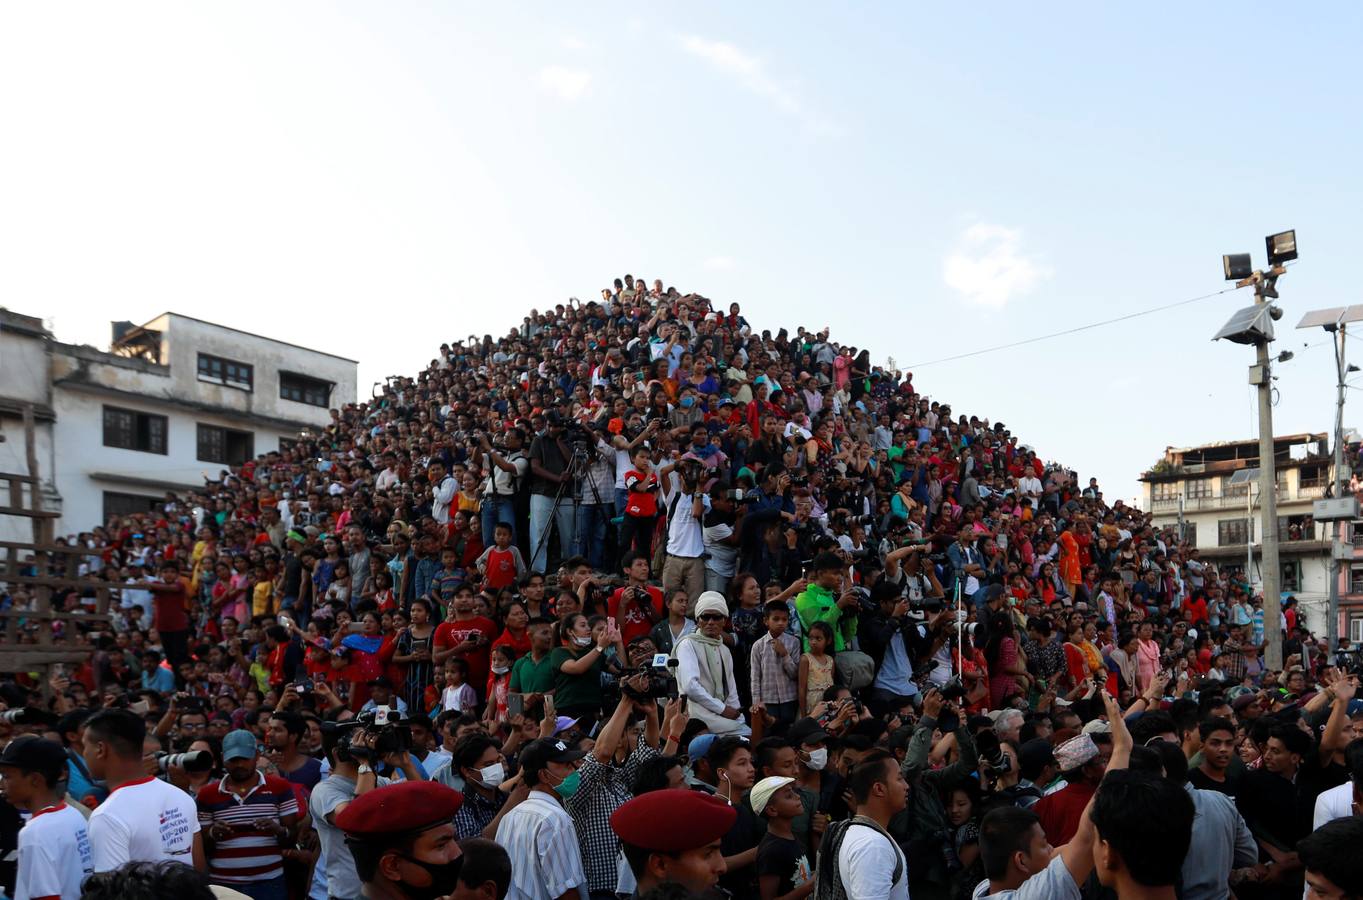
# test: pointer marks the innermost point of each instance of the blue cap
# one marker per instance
(1355, 707)
(699, 746)
(238, 744)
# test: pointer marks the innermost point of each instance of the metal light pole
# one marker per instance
(1340, 507)
(1254, 325)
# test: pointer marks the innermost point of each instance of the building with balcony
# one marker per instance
(1212, 492)
(170, 402)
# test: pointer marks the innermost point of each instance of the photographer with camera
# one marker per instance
(685, 505)
(922, 826)
(356, 750)
(144, 819)
(507, 467)
(723, 529)
(636, 605)
(551, 492)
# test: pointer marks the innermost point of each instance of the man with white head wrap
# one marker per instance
(705, 669)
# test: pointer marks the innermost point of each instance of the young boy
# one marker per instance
(641, 505)
(821, 602)
(783, 869)
(54, 847)
(775, 665)
(501, 564)
(637, 605)
(447, 578)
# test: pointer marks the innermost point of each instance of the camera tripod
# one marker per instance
(578, 462)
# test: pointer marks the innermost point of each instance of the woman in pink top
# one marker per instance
(1147, 656)
(841, 364)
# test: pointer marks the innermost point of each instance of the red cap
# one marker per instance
(399, 808)
(673, 820)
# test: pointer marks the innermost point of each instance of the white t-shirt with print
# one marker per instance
(867, 870)
(145, 821)
(54, 855)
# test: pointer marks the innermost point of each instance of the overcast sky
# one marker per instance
(371, 179)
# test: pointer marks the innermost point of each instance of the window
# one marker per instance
(1291, 580)
(1197, 487)
(1314, 476)
(302, 389)
(223, 445)
(1165, 490)
(116, 504)
(128, 429)
(1356, 631)
(1356, 579)
(226, 371)
(1230, 532)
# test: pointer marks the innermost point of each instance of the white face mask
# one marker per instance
(817, 759)
(500, 670)
(493, 775)
(581, 641)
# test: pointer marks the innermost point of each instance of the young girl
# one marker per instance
(383, 591)
(457, 695)
(414, 650)
(676, 626)
(816, 667)
(499, 683)
(339, 589)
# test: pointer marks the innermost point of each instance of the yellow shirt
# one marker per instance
(262, 599)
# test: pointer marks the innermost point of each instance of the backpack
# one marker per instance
(828, 883)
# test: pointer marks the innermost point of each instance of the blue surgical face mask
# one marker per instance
(687, 402)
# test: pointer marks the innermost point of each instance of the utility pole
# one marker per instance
(1254, 325)
(1261, 376)
(1336, 526)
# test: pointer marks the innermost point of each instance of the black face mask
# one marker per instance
(444, 879)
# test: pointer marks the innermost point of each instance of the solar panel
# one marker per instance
(1241, 476)
(1335, 315)
(1248, 326)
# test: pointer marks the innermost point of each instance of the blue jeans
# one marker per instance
(589, 531)
(541, 507)
(498, 509)
(621, 501)
(273, 889)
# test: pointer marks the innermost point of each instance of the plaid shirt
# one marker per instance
(775, 679)
(476, 813)
(604, 789)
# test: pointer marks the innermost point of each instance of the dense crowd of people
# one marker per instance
(639, 600)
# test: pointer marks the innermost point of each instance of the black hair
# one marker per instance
(872, 770)
(1332, 851)
(1148, 820)
(293, 723)
(470, 748)
(1005, 830)
(651, 775)
(1293, 738)
(828, 561)
(764, 753)
(724, 748)
(1153, 723)
(148, 881)
(121, 729)
(1206, 728)
(485, 861)
(775, 606)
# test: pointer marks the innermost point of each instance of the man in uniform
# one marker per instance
(672, 836)
(402, 839)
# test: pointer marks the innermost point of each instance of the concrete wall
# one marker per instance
(23, 379)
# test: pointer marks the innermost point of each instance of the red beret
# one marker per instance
(673, 820)
(397, 808)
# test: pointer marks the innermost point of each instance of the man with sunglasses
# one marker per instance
(705, 669)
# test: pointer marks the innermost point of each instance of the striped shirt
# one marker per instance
(250, 854)
(775, 679)
(538, 836)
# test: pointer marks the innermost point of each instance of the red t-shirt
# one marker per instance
(169, 606)
(636, 623)
(452, 634)
(501, 568)
(641, 504)
(1062, 813)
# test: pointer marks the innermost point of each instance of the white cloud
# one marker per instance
(751, 72)
(719, 263)
(987, 267)
(569, 84)
(573, 42)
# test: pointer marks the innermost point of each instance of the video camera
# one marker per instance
(662, 683)
(391, 735)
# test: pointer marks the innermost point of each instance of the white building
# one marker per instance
(170, 402)
(1194, 486)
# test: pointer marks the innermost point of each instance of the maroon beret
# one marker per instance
(673, 820)
(397, 808)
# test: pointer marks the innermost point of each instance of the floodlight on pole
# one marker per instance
(1339, 509)
(1254, 325)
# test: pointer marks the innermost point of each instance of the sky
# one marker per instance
(374, 179)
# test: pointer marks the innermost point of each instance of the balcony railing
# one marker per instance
(1233, 500)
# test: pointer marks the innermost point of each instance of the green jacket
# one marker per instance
(818, 604)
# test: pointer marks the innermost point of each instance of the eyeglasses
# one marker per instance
(710, 617)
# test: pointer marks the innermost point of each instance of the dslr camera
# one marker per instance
(190, 761)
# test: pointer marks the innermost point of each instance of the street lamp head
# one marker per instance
(1282, 247)
(1237, 266)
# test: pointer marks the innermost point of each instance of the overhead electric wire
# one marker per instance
(1075, 330)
